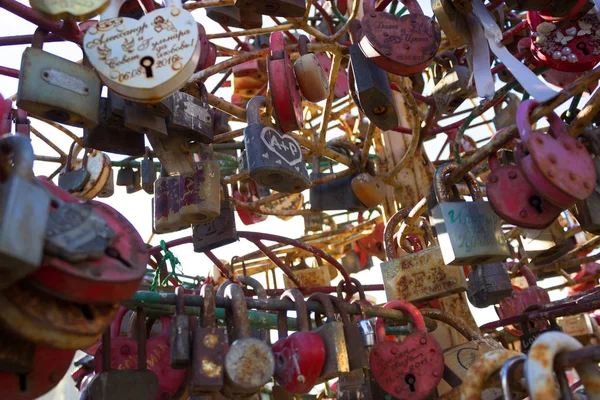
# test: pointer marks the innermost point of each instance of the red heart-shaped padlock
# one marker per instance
(299, 358)
(559, 167)
(247, 216)
(158, 354)
(411, 369)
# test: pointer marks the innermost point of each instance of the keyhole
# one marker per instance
(410, 381)
(582, 46)
(536, 203)
(147, 63)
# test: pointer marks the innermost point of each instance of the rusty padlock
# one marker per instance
(481, 370)
(180, 334)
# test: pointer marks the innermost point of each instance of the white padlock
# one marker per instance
(313, 82)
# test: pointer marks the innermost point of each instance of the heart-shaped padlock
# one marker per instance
(115, 271)
(411, 369)
(158, 352)
(287, 104)
(148, 59)
(571, 48)
(248, 217)
(400, 45)
(513, 198)
(300, 356)
(558, 166)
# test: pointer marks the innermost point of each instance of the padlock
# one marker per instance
(148, 171)
(175, 153)
(488, 284)
(206, 371)
(300, 356)
(420, 275)
(287, 104)
(111, 135)
(411, 369)
(418, 34)
(371, 245)
(531, 329)
(233, 17)
(570, 10)
(192, 117)
(357, 353)
(56, 88)
(293, 202)
(62, 324)
(142, 72)
(278, 8)
(341, 84)
(218, 232)
(139, 119)
(568, 46)
(371, 86)
(85, 261)
(454, 86)
(24, 205)
(247, 193)
(126, 382)
(482, 370)
(167, 204)
(109, 187)
(99, 167)
(505, 373)
(448, 18)
(514, 199)
(274, 160)
(308, 276)
(578, 326)
(261, 294)
(69, 11)
(505, 113)
(522, 299)
(468, 232)
(369, 188)
(125, 176)
(332, 333)
(333, 195)
(559, 167)
(544, 245)
(124, 355)
(28, 370)
(249, 363)
(313, 82)
(74, 180)
(180, 334)
(539, 371)
(312, 222)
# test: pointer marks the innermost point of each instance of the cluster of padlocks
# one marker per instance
(336, 102)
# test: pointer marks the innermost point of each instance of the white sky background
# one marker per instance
(136, 207)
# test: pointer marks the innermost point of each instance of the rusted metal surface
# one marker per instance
(481, 370)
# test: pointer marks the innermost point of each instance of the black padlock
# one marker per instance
(234, 17)
(191, 116)
(74, 180)
(275, 160)
(370, 86)
(277, 8)
(136, 185)
(125, 176)
(218, 232)
(488, 284)
(334, 195)
(530, 331)
(148, 172)
(221, 121)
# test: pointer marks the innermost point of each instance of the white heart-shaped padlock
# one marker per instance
(148, 59)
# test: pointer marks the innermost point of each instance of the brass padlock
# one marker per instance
(454, 87)
(308, 276)
(58, 89)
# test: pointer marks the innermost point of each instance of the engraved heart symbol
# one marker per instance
(286, 147)
(146, 59)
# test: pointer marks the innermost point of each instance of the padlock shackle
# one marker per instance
(115, 326)
(442, 192)
(22, 151)
(493, 160)
(259, 289)
(327, 305)
(180, 301)
(253, 109)
(303, 45)
(339, 304)
(209, 308)
(359, 288)
(482, 369)
(37, 42)
(557, 126)
(277, 45)
(302, 324)
(529, 276)
(505, 374)
(239, 310)
(222, 287)
(388, 232)
(402, 305)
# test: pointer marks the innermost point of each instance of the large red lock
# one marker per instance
(299, 357)
(411, 369)
(522, 299)
(371, 245)
(287, 104)
(248, 217)
(573, 47)
(158, 354)
(46, 369)
(513, 198)
(111, 278)
(558, 166)
(400, 45)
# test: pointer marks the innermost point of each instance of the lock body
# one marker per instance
(488, 284)
(218, 232)
(334, 195)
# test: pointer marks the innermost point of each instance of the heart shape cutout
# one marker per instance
(286, 147)
(408, 370)
(299, 359)
(147, 59)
